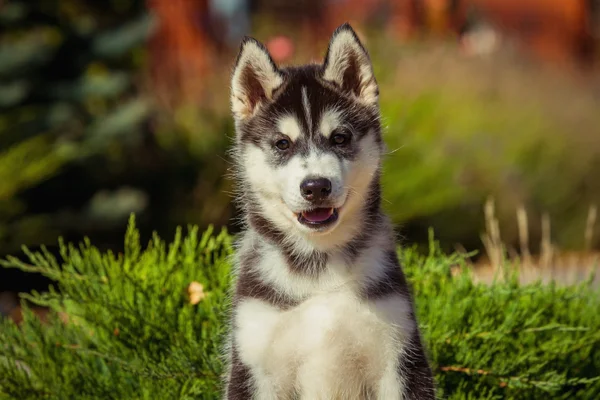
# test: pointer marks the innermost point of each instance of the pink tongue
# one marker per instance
(318, 215)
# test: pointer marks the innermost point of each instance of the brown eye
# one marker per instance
(339, 139)
(282, 144)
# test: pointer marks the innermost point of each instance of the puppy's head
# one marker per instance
(308, 138)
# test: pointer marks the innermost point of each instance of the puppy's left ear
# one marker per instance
(254, 79)
(348, 66)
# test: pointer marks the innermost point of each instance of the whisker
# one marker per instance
(395, 150)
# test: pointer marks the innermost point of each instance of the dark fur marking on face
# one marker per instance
(307, 264)
(250, 284)
(281, 157)
(347, 151)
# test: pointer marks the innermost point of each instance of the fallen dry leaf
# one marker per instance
(196, 292)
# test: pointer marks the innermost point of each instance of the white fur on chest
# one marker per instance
(332, 345)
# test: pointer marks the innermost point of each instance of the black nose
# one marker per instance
(315, 189)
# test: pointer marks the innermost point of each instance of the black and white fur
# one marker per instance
(319, 311)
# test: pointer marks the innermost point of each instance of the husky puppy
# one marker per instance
(321, 307)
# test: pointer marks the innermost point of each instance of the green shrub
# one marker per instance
(68, 93)
(460, 129)
(123, 327)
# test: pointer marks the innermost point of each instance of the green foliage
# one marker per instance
(123, 327)
(448, 151)
(66, 93)
(506, 340)
(460, 129)
(131, 330)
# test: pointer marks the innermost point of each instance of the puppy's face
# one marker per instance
(308, 138)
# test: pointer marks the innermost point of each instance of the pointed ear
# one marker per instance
(255, 77)
(347, 65)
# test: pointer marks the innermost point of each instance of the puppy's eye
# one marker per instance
(282, 144)
(338, 138)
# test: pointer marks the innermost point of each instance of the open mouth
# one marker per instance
(318, 217)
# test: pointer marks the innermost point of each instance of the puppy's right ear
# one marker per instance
(254, 79)
(347, 64)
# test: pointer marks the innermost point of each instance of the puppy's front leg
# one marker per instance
(415, 372)
(411, 379)
(316, 380)
(407, 375)
(390, 386)
(239, 382)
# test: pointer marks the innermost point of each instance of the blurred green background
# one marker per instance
(113, 107)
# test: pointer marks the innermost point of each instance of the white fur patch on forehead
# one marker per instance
(306, 106)
(289, 126)
(330, 120)
(254, 79)
(348, 65)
